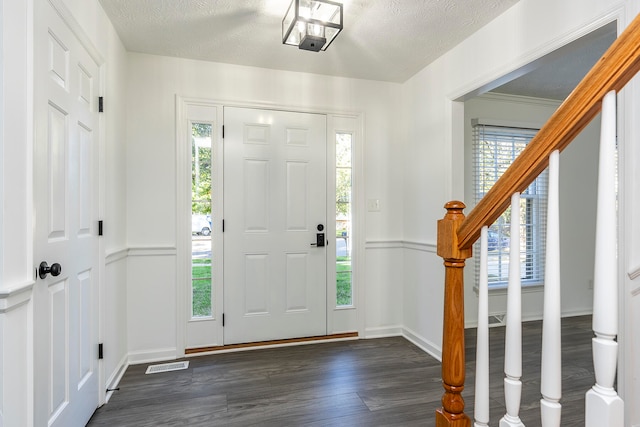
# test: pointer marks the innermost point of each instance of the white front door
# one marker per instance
(274, 209)
(65, 188)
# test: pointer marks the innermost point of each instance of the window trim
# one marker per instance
(537, 216)
(188, 111)
(337, 167)
(346, 318)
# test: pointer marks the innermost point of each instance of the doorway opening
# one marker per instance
(211, 183)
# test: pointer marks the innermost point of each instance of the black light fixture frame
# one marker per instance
(297, 18)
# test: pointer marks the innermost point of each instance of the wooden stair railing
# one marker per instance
(457, 233)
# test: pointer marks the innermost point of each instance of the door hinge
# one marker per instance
(222, 131)
(223, 320)
(100, 351)
(223, 225)
(100, 228)
(100, 104)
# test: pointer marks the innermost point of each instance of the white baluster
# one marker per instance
(481, 410)
(513, 333)
(551, 366)
(603, 405)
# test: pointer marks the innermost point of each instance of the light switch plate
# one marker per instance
(373, 205)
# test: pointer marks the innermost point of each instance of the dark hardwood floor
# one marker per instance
(577, 371)
(379, 382)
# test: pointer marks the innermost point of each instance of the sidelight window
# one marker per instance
(201, 229)
(344, 283)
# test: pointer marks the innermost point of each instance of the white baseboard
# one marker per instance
(383, 331)
(424, 344)
(587, 312)
(538, 316)
(157, 355)
(116, 376)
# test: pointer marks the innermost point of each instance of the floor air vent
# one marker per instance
(496, 319)
(166, 367)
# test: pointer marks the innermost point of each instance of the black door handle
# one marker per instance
(44, 269)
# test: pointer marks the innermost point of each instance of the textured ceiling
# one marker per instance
(388, 40)
(555, 75)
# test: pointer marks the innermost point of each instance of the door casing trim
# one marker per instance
(182, 102)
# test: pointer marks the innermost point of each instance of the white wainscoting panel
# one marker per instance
(423, 299)
(383, 291)
(16, 363)
(151, 304)
(113, 300)
(429, 347)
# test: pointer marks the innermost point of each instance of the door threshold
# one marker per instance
(273, 343)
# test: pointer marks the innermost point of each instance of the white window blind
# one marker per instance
(494, 149)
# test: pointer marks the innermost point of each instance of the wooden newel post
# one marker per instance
(453, 373)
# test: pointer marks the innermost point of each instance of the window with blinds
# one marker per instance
(494, 149)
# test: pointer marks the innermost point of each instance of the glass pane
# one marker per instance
(344, 287)
(287, 22)
(319, 10)
(201, 254)
(494, 151)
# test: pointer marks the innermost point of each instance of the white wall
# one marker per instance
(578, 180)
(153, 83)
(433, 163)
(434, 147)
(629, 256)
(16, 231)
(16, 251)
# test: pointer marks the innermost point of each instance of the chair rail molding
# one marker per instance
(634, 272)
(115, 255)
(12, 298)
(401, 244)
(152, 251)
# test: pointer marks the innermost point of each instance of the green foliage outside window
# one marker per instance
(201, 170)
(344, 288)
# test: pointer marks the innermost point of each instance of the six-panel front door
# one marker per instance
(274, 209)
(66, 80)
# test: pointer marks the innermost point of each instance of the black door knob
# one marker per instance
(44, 269)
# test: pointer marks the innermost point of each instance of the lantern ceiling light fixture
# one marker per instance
(312, 24)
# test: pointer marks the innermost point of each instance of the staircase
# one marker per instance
(457, 233)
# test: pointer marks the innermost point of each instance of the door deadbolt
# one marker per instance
(319, 237)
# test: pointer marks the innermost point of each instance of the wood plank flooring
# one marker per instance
(379, 382)
(577, 371)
